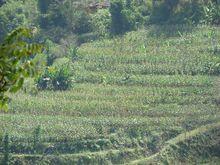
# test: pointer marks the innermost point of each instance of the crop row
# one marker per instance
(59, 128)
(183, 67)
(142, 80)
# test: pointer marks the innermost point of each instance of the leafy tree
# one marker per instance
(59, 19)
(125, 16)
(15, 13)
(101, 22)
(16, 63)
(181, 12)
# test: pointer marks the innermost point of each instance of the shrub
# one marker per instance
(101, 22)
(55, 78)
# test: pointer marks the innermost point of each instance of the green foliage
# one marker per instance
(132, 94)
(55, 78)
(59, 58)
(17, 13)
(101, 22)
(15, 61)
(65, 18)
(72, 53)
(191, 13)
(125, 16)
(30, 87)
(67, 48)
(58, 20)
(212, 13)
(186, 12)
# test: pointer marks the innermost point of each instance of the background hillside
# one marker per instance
(136, 82)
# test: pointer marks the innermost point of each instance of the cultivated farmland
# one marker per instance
(151, 96)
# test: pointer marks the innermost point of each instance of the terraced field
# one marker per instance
(151, 96)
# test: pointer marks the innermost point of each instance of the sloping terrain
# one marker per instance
(149, 96)
(202, 143)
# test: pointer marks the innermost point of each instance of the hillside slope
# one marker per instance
(202, 143)
(141, 97)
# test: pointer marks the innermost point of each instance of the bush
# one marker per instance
(101, 22)
(55, 78)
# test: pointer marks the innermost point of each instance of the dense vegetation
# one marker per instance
(136, 82)
(63, 19)
(127, 102)
(16, 62)
(64, 25)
